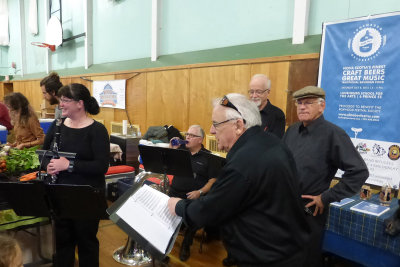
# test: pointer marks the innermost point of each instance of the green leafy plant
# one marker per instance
(19, 160)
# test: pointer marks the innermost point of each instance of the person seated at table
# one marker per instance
(192, 187)
(27, 130)
(50, 86)
(10, 252)
(89, 139)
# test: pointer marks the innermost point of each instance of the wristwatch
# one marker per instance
(70, 166)
(201, 192)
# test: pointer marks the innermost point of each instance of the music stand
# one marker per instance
(155, 160)
(215, 164)
(166, 161)
(57, 201)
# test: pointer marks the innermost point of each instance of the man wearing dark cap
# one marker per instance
(320, 148)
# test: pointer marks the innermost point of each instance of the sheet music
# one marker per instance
(147, 212)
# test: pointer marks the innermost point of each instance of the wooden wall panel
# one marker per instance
(31, 90)
(302, 73)
(5, 89)
(106, 114)
(278, 73)
(207, 84)
(168, 98)
(136, 100)
(34, 93)
(182, 95)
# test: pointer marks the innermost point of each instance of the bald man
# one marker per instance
(272, 117)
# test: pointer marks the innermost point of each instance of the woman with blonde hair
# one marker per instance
(27, 130)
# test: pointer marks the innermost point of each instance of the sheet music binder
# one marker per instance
(146, 245)
(156, 160)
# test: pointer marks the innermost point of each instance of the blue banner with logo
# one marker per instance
(359, 71)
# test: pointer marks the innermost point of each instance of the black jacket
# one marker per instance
(273, 120)
(256, 201)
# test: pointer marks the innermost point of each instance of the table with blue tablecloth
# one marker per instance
(361, 237)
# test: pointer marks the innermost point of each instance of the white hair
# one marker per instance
(247, 108)
(200, 130)
(266, 80)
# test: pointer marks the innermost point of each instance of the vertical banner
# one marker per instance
(359, 71)
(110, 94)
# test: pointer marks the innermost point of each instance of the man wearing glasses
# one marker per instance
(256, 198)
(188, 187)
(272, 117)
(320, 148)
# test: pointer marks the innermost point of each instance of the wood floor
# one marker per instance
(111, 237)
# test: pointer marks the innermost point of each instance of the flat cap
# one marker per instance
(309, 91)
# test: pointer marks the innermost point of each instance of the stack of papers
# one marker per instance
(342, 202)
(370, 208)
(147, 212)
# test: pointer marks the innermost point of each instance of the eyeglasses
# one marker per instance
(226, 103)
(189, 135)
(65, 100)
(305, 103)
(257, 92)
(216, 124)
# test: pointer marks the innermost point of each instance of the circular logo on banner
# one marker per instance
(366, 42)
(394, 152)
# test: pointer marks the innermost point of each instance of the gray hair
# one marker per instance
(198, 127)
(266, 80)
(247, 108)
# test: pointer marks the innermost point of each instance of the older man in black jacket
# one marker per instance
(256, 199)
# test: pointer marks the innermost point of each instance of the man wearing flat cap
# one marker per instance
(320, 148)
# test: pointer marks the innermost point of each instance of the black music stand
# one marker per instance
(56, 201)
(157, 160)
(166, 161)
(215, 164)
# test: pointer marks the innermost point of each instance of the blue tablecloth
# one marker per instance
(45, 124)
(361, 237)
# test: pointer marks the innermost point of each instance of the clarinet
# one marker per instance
(56, 142)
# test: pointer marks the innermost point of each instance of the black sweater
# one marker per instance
(92, 146)
(256, 201)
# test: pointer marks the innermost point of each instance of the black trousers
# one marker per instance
(81, 233)
(190, 232)
(317, 225)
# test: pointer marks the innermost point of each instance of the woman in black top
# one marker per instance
(89, 139)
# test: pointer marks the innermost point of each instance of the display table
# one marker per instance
(361, 237)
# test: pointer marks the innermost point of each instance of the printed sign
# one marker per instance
(110, 94)
(359, 69)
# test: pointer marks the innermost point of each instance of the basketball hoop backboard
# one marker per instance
(54, 32)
